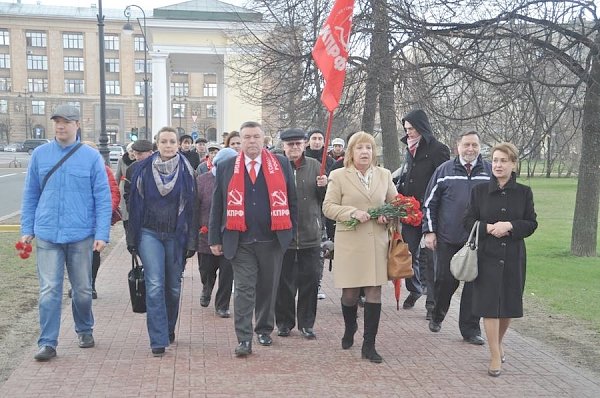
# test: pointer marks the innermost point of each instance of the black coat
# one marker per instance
(498, 289)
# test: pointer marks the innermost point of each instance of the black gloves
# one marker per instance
(132, 249)
(189, 253)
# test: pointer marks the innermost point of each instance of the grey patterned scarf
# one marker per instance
(165, 173)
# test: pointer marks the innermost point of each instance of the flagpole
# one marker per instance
(326, 144)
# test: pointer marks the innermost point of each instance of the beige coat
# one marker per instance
(360, 255)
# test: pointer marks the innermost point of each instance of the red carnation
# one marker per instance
(19, 245)
(204, 230)
(24, 255)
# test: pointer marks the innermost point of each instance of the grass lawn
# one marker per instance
(560, 282)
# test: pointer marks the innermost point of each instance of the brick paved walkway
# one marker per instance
(417, 363)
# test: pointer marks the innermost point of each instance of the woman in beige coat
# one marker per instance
(360, 253)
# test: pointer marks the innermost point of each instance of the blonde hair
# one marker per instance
(360, 137)
(508, 148)
(166, 128)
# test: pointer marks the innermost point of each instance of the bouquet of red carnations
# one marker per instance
(405, 209)
(24, 249)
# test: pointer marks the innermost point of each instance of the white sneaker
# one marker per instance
(321, 295)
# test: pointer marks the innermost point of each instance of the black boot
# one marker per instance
(351, 325)
(372, 314)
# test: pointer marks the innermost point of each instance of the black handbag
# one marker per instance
(137, 285)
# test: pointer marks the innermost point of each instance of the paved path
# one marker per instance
(417, 363)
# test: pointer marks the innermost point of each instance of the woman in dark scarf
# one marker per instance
(161, 229)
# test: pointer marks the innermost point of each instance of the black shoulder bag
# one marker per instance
(60, 162)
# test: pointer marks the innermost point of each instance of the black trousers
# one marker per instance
(256, 270)
(412, 236)
(427, 266)
(299, 275)
(208, 265)
(446, 285)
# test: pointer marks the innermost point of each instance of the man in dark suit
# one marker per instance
(252, 222)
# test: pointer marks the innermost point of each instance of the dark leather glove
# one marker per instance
(189, 253)
(131, 249)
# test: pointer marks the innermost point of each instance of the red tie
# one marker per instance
(252, 171)
(468, 167)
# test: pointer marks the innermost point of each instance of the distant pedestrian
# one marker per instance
(69, 212)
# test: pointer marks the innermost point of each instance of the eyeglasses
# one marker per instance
(296, 143)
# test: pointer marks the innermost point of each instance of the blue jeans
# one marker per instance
(51, 260)
(162, 258)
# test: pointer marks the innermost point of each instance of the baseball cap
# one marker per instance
(213, 145)
(67, 112)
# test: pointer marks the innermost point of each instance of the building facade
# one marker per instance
(50, 55)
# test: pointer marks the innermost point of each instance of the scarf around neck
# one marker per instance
(165, 173)
(276, 186)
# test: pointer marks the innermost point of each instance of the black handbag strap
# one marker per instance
(60, 162)
(135, 263)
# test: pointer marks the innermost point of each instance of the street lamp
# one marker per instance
(103, 140)
(128, 29)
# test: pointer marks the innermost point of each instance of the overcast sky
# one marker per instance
(145, 4)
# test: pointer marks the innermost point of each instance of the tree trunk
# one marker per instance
(371, 92)
(585, 219)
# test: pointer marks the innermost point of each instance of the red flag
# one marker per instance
(331, 51)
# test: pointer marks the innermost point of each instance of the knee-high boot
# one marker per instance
(350, 324)
(372, 315)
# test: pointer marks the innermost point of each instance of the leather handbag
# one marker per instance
(463, 264)
(137, 285)
(399, 262)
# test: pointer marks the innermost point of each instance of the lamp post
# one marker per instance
(128, 29)
(103, 140)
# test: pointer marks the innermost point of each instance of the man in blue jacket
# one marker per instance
(446, 200)
(69, 212)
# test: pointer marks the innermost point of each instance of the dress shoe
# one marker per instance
(429, 315)
(476, 340)
(265, 339)
(45, 353)
(171, 338)
(494, 372)
(435, 326)
(223, 313)
(411, 300)
(158, 352)
(244, 348)
(86, 341)
(204, 301)
(283, 332)
(308, 333)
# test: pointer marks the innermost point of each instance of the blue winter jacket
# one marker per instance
(447, 198)
(76, 201)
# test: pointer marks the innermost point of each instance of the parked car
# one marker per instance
(116, 152)
(14, 147)
(30, 145)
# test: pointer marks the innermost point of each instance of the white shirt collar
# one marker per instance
(463, 162)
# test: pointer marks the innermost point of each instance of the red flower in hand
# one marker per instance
(204, 229)
(24, 255)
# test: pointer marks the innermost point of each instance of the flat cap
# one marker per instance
(67, 112)
(292, 134)
(142, 146)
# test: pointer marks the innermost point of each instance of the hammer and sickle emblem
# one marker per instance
(279, 198)
(235, 198)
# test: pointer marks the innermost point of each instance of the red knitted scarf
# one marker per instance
(278, 197)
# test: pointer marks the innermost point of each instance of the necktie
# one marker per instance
(468, 167)
(252, 171)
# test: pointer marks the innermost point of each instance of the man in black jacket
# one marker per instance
(424, 154)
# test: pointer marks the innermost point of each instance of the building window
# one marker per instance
(210, 89)
(5, 84)
(139, 66)
(35, 39)
(73, 40)
(179, 89)
(36, 85)
(74, 64)
(211, 111)
(113, 87)
(3, 106)
(111, 42)
(179, 110)
(74, 86)
(141, 109)
(139, 44)
(37, 62)
(4, 61)
(4, 37)
(38, 107)
(111, 65)
(139, 88)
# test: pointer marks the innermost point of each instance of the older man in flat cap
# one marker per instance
(301, 264)
(67, 207)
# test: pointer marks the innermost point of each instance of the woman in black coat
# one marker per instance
(507, 216)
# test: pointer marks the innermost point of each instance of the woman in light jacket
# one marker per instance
(360, 253)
